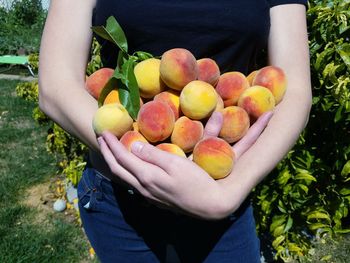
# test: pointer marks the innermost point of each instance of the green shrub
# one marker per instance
(26, 12)
(308, 194)
(21, 27)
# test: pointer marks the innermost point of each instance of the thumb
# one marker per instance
(252, 135)
(214, 124)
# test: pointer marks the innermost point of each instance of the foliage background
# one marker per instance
(21, 24)
(307, 196)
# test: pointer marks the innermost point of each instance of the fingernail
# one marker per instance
(269, 114)
(99, 140)
(137, 146)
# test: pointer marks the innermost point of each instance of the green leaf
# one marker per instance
(278, 231)
(344, 52)
(281, 206)
(283, 177)
(277, 221)
(315, 226)
(113, 33)
(288, 225)
(345, 191)
(346, 169)
(304, 188)
(141, 55)
(318, 215)
(305, 176)
(129, 94)
(338, 114)
(295, 248)
(342, 231)
(278, 240)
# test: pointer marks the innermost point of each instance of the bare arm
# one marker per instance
(64, 53)
(288, 49)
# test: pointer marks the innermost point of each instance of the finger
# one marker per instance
(115, 167)
(126, 159)
(153, 155)
(252, 135)
(214, 124)
(126, 176)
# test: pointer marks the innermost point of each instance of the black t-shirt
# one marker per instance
(230, 32)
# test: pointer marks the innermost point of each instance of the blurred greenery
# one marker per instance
(21, 27)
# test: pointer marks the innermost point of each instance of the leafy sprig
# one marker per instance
(123, 77)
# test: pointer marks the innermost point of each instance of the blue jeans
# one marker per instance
(124, 227)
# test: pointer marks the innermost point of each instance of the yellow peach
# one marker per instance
(198, 100)
(113, 118)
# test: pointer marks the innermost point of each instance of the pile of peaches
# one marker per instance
(178, 94)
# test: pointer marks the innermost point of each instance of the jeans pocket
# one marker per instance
(86, 191)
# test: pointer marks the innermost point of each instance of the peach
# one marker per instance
(131, 136)
(215, 156)
(235, 125)
(113, 97)
(251, 77)
(178, 67)
(135, 126)
(148, 77)
(256, 100)
(113, 118)
(171, 148)
(208, 71)
(155, 121)
(187, 133)
(171, 98)
(97, 80)
(230, 86)
(274, 79)
(198, 100)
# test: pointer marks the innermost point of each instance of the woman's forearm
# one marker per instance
(73, 114)
(273, 144)
(64, 53)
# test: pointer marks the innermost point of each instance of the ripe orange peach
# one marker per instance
(148, 77)
(220, 105)
(113, 97)
(187, 133)
(155, 121)
(208, 71)
(131, 136)
(256, 100)
(97, 80)
(113, 118)
(171, 148)
(198, 100)
(171, 98)
(178, 67)
(235, 125)
(274, 79)
(215, 156)
(230, 86)
(135, 126)
(251, 77)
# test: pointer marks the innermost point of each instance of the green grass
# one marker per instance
(24, 163)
